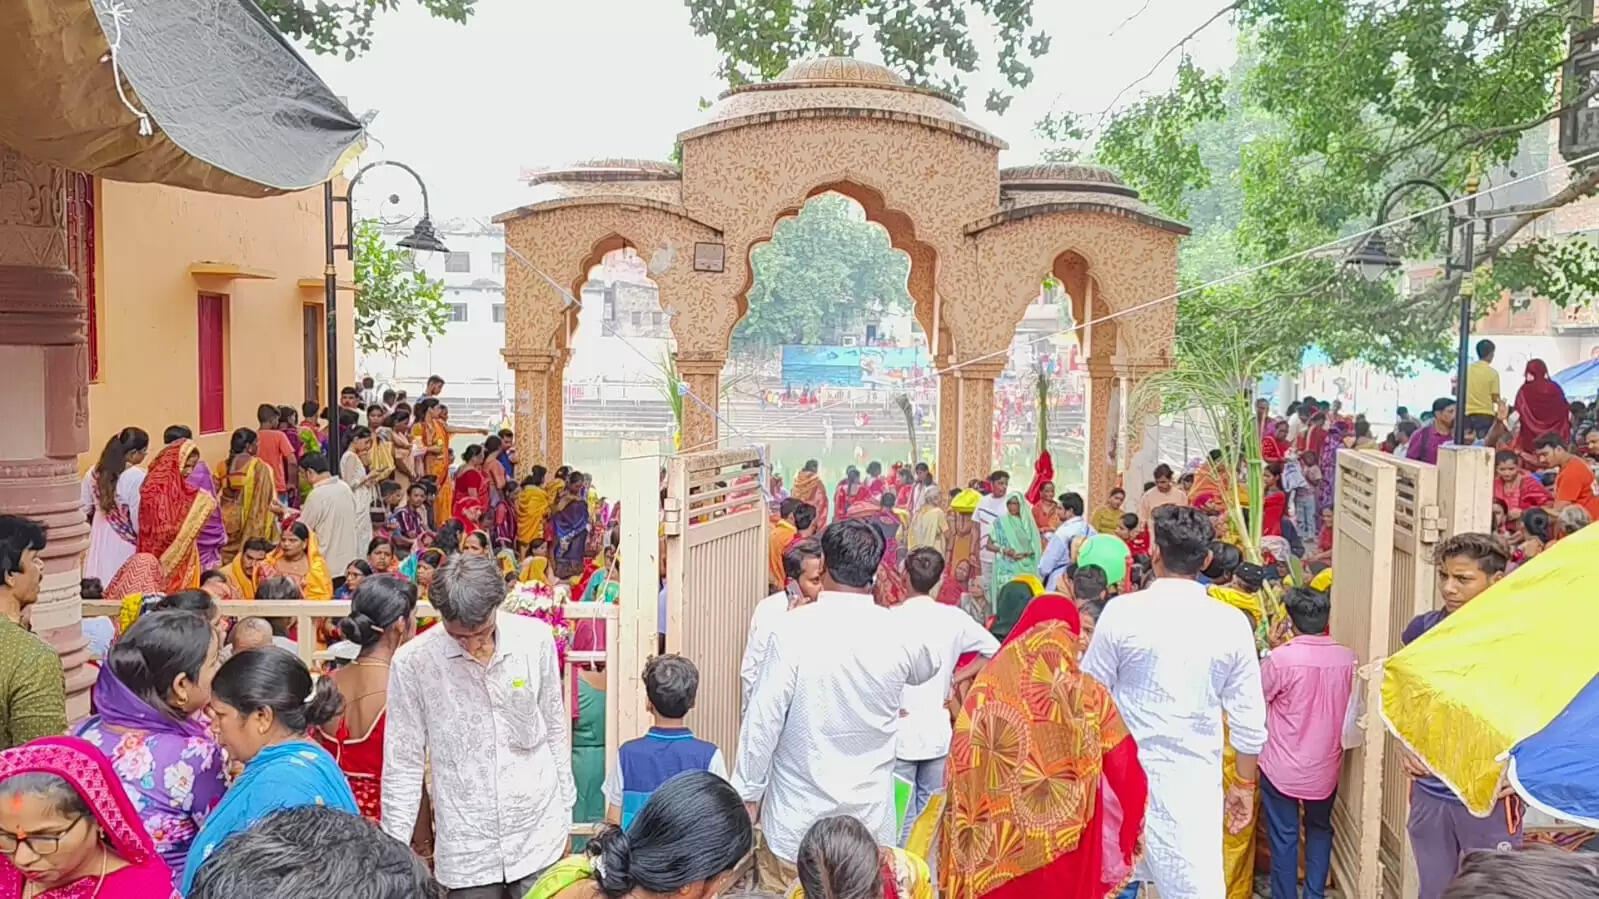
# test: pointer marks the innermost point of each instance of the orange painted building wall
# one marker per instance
(148, 237)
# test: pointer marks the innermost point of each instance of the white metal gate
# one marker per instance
(716, 551)
(1363, 565)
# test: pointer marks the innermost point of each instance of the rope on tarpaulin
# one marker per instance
(117, 12)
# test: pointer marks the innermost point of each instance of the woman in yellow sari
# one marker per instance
(250, 507)
(532, 510)
(433, 436)
(171, 514)
(298, 559)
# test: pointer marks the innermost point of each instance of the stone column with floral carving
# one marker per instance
(1099, 465)
(976, 447)
(948, 454)
(45, 361)
(537, 427)
(702, 372)
(555, 410)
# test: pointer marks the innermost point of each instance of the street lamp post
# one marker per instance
(1374, 262)
(422, 238)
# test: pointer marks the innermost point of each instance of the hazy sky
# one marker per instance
(537, 83)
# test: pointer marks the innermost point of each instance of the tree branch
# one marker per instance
(1231, 7)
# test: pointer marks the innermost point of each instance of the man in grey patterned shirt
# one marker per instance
(819, 736)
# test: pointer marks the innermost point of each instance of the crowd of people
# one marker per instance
(973, 692)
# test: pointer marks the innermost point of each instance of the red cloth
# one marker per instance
(471, 490)
(1273, 505)
(1043, 473)
(1046, 607)
(1272, 449)
(1542, 408)
(1529, 493)
(361, 760)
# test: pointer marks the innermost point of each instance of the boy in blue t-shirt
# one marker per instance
(671, 684)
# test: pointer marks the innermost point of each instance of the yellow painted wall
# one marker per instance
(147, 304)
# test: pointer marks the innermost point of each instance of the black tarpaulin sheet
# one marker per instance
(233, 107)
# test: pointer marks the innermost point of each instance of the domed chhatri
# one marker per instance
(1064, 176)
(840, 70)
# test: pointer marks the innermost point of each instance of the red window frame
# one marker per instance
(212, 338)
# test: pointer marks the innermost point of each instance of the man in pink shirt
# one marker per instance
(274, 448)
(1307, 683)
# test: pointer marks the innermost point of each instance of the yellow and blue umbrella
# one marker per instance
(1509, 676)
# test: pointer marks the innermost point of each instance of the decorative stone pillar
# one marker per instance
(1099, 467)
(702, 372)
(44, 357)
(538, 428)
(975, 450)
(947, 457)
(555, 409)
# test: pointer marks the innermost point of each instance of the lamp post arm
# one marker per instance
(1393, 193)
(349, 194)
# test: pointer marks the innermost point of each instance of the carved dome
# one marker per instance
(839, 87)
(840, 70)
(1047, 187)
(606, 170)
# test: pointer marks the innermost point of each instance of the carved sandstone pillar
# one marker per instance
(1102, 401)
(44, 358)
(975, 450)
(702, 372)
(555, 408)
(538, 428)
(947, 458)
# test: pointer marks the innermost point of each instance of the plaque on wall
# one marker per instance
(709, 257)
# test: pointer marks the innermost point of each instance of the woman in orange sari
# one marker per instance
(172, 513)
(250, 507)
(808, 486)
(433, 436)
(1033, 722)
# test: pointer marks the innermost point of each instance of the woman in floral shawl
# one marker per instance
(1032, 722)
(1015, 543)
(66, 789)
(172, 513)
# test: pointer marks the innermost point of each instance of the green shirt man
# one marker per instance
(33, 694)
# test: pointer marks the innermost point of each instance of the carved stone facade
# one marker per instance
(44, 356)
(980, 239)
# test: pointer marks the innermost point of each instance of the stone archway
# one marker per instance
(979, 237)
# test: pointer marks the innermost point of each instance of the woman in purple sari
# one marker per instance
(150, 693)
(570, 521)
(1329, 468)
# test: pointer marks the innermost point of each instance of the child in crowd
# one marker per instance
(671, 684)
(1134, 534)
(1307, 685)
(922, 751)
(1440, 826)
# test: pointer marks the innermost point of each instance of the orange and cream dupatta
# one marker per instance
(171, 514)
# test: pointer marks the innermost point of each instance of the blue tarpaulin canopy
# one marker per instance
(1557, 769)
(1581, 381)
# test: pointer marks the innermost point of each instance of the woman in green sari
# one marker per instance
(692, 839)
(1014, 541)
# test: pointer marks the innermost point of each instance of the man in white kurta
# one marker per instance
(819, 736)
(1175, 660)
(476, 706)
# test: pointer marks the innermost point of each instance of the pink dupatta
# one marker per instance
(90, 773)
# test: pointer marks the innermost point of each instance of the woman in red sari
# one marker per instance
(172, 512)
(849, 492)
(84, 839)
(1542, 408)
(471, 488)
(1517, 489)
(1033, 710)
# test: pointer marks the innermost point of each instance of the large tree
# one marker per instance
(930, 43)
(1334, 102)
(824, 268)
(331, 27)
